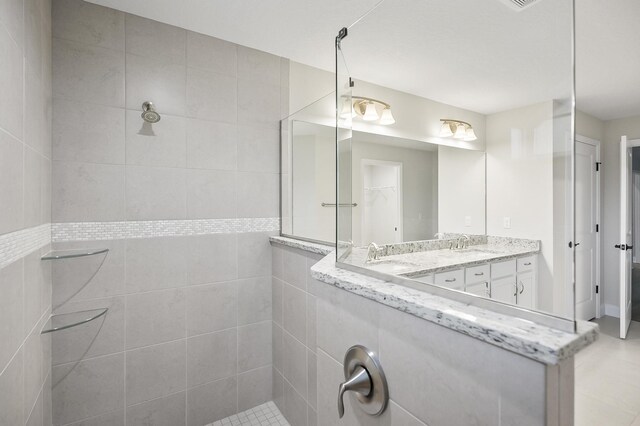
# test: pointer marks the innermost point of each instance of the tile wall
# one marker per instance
(25, 214)
(436, 376)
(185, 207)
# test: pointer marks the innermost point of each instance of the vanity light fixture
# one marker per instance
(368, 108)
(458, 129)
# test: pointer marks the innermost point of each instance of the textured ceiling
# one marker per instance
(479, 55)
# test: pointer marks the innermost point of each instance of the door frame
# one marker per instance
(398, 165)
(597, 144)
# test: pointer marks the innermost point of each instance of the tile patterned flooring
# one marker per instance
(262, 415)
(607, 377)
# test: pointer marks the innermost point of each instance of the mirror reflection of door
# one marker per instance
(587, 227)
(382, 206)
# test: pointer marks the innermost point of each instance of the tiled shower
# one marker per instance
(178, 213)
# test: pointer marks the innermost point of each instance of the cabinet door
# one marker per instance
(525, 290)
(504, 289)
(479, 289)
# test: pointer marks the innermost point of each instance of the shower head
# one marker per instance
(149, 113)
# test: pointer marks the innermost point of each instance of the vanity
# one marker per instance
(498, 268)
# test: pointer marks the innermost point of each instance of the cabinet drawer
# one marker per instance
(450, 279)
(477, 274)
(427, 279)
(526, 263)
(503, 269)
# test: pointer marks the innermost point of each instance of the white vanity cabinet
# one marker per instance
(451, 279)
(526, 281)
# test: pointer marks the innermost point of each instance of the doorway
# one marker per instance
(635, 225)
(382, 201)
(587, 226)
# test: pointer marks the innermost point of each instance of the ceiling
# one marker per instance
(479, 55)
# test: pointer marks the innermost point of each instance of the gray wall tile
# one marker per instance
(102, 336)
(11, 183)
(277, 297)
(115, 418)
(155, 317)
(156, 263)
(154, 79)
(87, 192)
(258, 194)
(211, 194)
(211, 145)
(32, 188)
(258, 102)
(162, 144)
(277, 391)
(258, 148)
(254, 346)
(155, 39)
(88, 388)
(295, 407)
(295, 312)
(88, 23)
(277, 342)
(254, 300)
(155, 371)
(254, 255)
(212, 401)
(11, 85)
(11, 387)
(11, 16)
(211, 357)
(259, 66)
(211, 54)
(88, 73)
(211, 96)
(211, 307)
(254, 388)
(78, 136)
(295, 364)
(167, 411)
(90, 277)
(145, 202)
(212, 258)
(11, 311)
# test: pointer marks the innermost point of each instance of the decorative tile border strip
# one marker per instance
(18, 244)
(93, 231)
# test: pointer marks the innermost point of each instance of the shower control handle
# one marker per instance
(359, 382)
(365, 378)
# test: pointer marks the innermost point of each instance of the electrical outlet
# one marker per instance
(506, 222)
(467, 221)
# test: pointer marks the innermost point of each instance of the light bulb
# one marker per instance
(387, 118)
(370, 113)
(470, 135)
(461, 132)
(445, 130)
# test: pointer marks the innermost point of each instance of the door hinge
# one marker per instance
(351, 82)
(341, 34)
(598, 166)
(597, 289)
(597, 228)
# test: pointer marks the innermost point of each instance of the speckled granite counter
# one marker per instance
(316, 248)
(420, 258)
(541, 343)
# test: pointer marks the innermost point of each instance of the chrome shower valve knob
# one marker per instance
(364, 376)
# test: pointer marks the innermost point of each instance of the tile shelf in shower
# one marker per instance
(73, 319)
(70, 254)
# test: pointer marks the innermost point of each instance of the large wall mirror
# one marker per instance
(447, 160)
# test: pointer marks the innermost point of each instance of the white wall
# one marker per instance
(613, 131)
(520, 183)
(461, 190)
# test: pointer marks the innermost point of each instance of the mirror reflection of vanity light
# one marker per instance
(369, 110)
(457, 129)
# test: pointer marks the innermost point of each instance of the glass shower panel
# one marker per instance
(344, 106)
(493, 77)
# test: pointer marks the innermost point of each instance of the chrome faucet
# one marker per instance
(373, 251)
(461, 243)
(439, 236)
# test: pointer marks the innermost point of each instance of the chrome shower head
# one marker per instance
(149, 113)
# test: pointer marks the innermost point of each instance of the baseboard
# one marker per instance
(612, 310)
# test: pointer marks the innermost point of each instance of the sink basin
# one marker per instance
(390, 266)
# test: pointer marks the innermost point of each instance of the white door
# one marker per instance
(586, 236)
(626, 184)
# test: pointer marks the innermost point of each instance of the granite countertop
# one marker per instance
(420, 263)
(316, 248)
(541, 343)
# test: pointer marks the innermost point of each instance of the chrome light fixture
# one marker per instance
(367, 109)
(458, 129)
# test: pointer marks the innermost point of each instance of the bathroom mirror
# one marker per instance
(493, 80)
